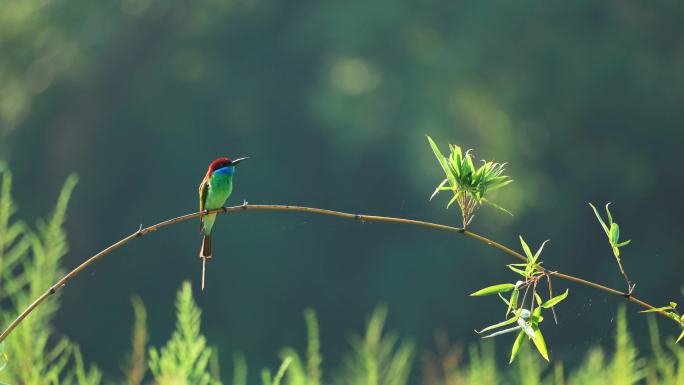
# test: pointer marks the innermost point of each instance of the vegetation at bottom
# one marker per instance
(30, 260)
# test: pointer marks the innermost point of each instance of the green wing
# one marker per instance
(203, 192)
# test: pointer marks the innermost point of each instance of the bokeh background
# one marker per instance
(332, 101)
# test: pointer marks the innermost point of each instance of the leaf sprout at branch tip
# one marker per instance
(613, 233)
(468, 184)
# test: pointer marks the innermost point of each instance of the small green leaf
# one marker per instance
(553, 301)
(616, 251)
(469, 167)
(437, 190)
(500, 324)
(516, 345)
(442, 161)
(519, 271)
(438, 154)
(673, 305)
(673, 315)
(598, 216)
(501, 288)
(526, 248)
(496, 206)
(502, 332)
(658, 309)
(536, 315)
(281, 371)
(614, 233)
(498, 182)
(540, 343)
(538, 298)
(513, 302)
(452, 200)
(536, 256)
(457, 156)
(610, 217)
(625, 243)
(680, 336)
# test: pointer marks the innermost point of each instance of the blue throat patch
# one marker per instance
(230, 170)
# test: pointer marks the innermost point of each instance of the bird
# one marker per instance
(214, 191)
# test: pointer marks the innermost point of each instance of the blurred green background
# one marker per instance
(332, 100)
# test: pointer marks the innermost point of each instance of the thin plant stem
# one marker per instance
(534, 296)
(553, 308)
(630, 284)
(142, 231)
(527, 289)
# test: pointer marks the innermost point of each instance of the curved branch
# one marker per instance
(358, 217)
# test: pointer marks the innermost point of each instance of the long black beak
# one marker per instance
(238, 160)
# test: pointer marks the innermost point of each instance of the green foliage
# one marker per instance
(80, 375)
(626, 367)
(313, 351)
(526, 316)
(612, 230)
(528, 367)
(447, 368)
(239, 369)
(297, 374)
(185, 358)
(3, 356)
(266, 374)
(377, 359)
(623, 366)
(137, 364)
(468, 183)
(494, 289)
(482, 368)
(29, 264)
(672, 312)
(665, 366)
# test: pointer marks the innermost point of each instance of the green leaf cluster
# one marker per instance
(672, 312)
(611, 229)
(377, 358)
(530, 268)
(306, 372)
(525, 317)
(469, 184)
(620, 364)
(185, 358)
(29, 263)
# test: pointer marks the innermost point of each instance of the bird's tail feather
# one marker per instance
(205, 253)
(205, 250)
